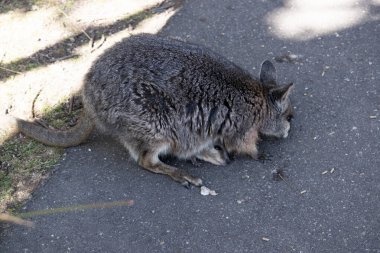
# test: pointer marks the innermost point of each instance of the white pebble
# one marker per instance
(206, 191)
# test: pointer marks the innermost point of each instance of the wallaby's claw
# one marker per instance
(200, 182)
(192, 180)
(186, 185)
(187, 181)
(197, 182)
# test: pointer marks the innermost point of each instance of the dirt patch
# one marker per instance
(25, 163)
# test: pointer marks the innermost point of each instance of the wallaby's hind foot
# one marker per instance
(151, 162)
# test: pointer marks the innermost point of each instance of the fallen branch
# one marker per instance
(77, 208)
(16, 220)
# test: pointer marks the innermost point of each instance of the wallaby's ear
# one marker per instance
(268, 73)
(281, 93)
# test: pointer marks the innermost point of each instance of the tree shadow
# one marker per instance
(65, 49)
(24, 6)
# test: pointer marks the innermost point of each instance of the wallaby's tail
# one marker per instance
(67, 138)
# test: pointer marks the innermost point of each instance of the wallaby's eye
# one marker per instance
(289, 117)
(218, 148)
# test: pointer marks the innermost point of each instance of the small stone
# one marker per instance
(206, 191)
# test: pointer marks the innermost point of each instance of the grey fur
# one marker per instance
(163, 96)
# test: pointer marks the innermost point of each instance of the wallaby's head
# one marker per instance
(280, 111)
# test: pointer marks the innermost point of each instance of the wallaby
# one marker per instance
(161, 96)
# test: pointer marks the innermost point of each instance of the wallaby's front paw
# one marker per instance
(188, 181)
(194, 180)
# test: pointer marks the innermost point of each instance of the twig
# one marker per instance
(84, 32)
(102, 41)
(34, 102)
(291, 186)
(13, 71)
(77, 208)
(66, 57)
(71, 104)
(42, 123)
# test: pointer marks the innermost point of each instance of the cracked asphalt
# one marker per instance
(328, 202)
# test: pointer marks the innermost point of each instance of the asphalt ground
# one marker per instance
(328, 202)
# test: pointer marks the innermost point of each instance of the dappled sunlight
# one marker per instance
(307, 19)
(48, 84)
(22, 34)
(55, 81)
(90, 14)
(150, 25)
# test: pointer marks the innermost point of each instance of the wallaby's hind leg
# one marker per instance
(149, 160)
